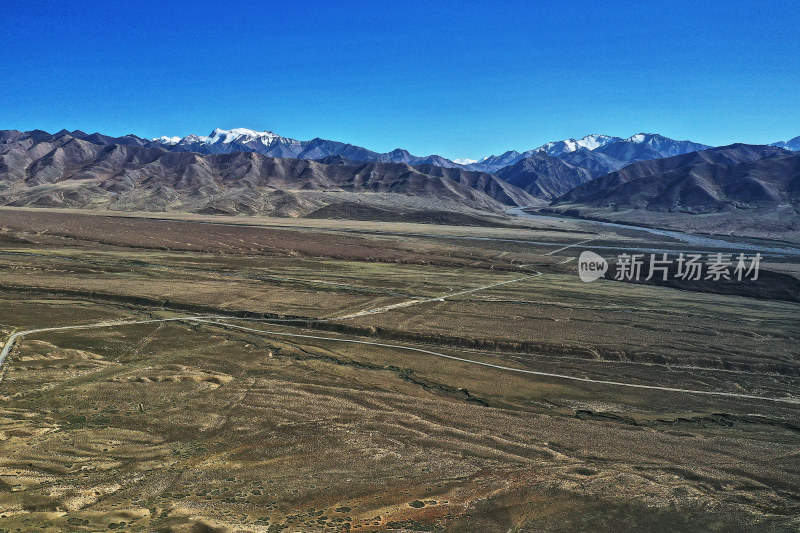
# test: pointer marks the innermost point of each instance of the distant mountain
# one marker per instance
(267, 143)
(792, 144)
(556, 148)
(738, 176)
(598, 154)
(42, 170)
(543, 176)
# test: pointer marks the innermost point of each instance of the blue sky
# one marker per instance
(460, 79)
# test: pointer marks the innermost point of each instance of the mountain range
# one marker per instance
(270, 144)
(633, 179)
(599, 154)
(545, 172)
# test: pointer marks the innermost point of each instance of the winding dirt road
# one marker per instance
(219, 321)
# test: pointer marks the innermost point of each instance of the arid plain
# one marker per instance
(256, 374)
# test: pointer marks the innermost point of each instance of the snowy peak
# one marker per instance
(638, 138)
(653, 139)
(240, 135)
(590, 142)
(463, 161)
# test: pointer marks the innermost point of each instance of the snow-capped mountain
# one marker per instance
(597, 153)
(792, 144)
(554, 148)
(242, 135)
(640, 147)
(222, 141)
(463, 161)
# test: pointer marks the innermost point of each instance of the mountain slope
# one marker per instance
(543, 176)
(708, 179)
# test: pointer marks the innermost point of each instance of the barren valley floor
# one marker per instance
(368, 376)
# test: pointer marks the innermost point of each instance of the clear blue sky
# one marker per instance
(461, 79)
